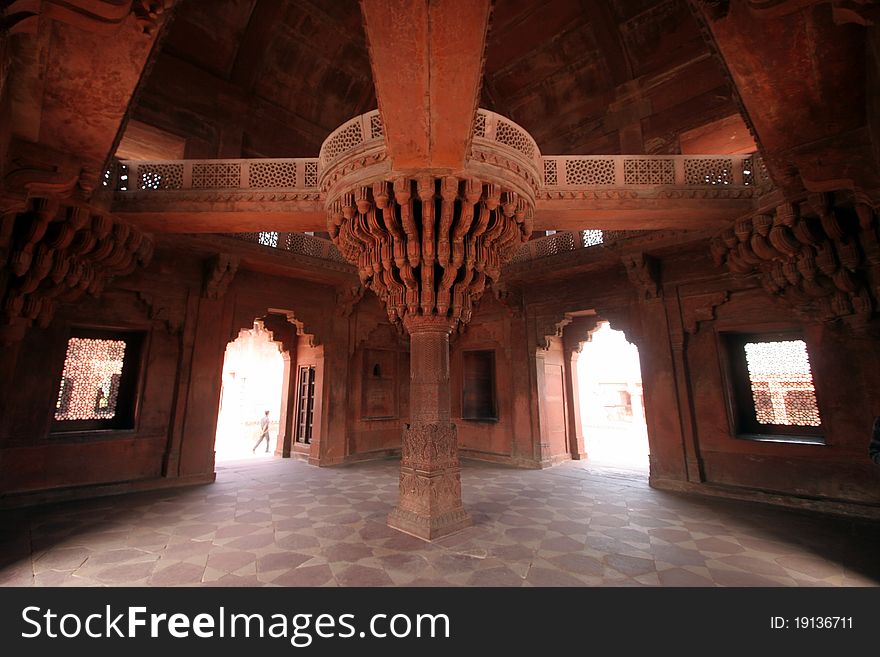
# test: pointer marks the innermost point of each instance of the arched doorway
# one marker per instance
(611, 402)
(253, 380)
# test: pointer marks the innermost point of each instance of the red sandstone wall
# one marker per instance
(379, 387)
(32, 458)
(490, 330)
(846, 380)
(691, 434)
(187, 333)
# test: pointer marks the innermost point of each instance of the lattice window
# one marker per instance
(748, 171)
(589, 172)
(762, 175)
(521, 254)
(344, 140)
(90, 380)
(160, 176)
(334, 254)
(216, 175)
(311, 174)
(782, 383)
(268, 239)
(98, 381)
(480, 125)
(648, 172)
(312, 246)
(510, 135)
(557, 243)
(295, 242)
(708, 172)
(376, 128)
(593, 238)
(121, 178)
(272, 175)
(550, 177)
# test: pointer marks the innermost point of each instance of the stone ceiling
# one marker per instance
(273, 77)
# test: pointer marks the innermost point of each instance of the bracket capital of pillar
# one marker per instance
(428, 324)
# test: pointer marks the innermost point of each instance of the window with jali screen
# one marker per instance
(774, 391)
(98, 386)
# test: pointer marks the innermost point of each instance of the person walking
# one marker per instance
(264, 433)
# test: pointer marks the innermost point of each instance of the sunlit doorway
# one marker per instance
(253, 376)
(611, 401)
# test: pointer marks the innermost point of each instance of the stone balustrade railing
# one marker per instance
(265, 174)
(362, 129)
(560, 172)
(359, 144)
(621, 171)
(299, 243)
(564, 241)
(367, 128)
(500, 130)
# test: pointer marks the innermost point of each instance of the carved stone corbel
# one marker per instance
(644, 273)
(701, 308)
(347, 298)
(61, 250)
(818, 255)
(549, 326)
(164, 310)
(219, 272)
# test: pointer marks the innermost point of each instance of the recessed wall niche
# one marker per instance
(379, 390)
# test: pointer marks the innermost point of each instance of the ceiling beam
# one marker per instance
(174, 212)
(427, 61)
(801, 79)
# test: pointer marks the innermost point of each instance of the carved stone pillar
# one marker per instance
(429, 244)
(430, 482)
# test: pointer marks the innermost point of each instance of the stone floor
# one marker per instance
(285, 523)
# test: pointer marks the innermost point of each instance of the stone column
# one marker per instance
(287, 419)
(572, 391)
(430, 482)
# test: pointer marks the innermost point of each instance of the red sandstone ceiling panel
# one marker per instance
(661, 38)
(208, 32)
(573, 73)
(316, 63)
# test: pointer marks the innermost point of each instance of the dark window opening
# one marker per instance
(478, 386)
(774, 396)
(305, 405)
(99, 381)
(377, 371)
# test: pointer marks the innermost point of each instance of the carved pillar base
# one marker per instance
(430, 483)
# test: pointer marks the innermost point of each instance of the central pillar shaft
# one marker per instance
(430, 481)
